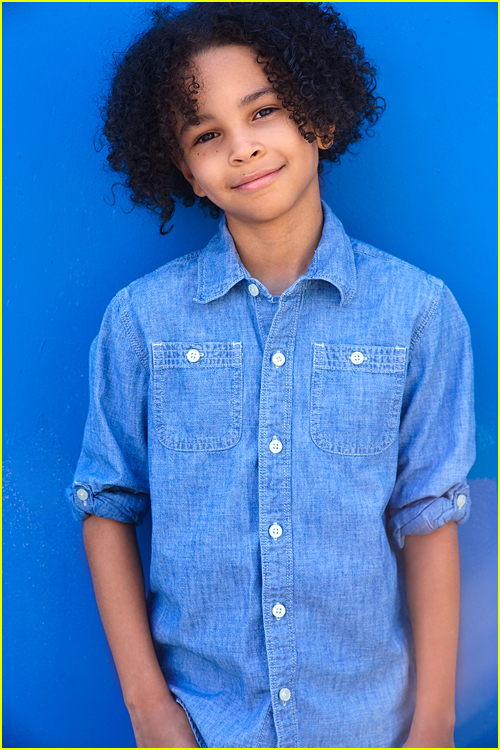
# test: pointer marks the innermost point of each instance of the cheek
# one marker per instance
(306, 156)
(210, 181)
(289, 138)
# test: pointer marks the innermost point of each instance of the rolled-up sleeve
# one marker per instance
(436, 442)
(111, 478)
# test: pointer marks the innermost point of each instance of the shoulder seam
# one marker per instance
(182, 260)
(364, 249)
(424, 323)
(134, 344)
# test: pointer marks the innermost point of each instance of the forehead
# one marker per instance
(226, 71)
(227, 79)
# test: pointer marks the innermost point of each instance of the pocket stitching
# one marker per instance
(211, 443)
(390, 428)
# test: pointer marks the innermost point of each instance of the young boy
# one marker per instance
(294, 405)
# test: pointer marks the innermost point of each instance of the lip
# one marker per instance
(257, 179)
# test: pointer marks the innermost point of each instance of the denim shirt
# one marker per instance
(285, 446)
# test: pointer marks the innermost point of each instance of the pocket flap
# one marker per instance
(196, 354)
(390, 359)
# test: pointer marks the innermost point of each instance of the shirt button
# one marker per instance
(278, 611)
(82, 495)
(193, 355)
(356, 358)
(278, 359)
(275, 530)
(275, 446)
(253, 289)
(285, 695)
(461, 500)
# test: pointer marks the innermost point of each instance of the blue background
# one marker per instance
(424, 189)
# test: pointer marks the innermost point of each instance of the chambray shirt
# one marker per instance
(286, 445)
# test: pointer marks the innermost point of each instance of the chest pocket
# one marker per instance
(198, 393)
(356, 395)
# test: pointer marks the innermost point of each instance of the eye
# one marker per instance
(206, 137)
(265, 112)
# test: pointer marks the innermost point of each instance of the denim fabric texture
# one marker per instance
(286, 445)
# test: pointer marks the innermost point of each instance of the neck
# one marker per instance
(278, 252)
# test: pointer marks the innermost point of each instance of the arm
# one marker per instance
(116, 568)
(432, 587)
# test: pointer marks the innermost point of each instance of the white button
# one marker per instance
(275, 446)
(278, 359)
(278, 611)
(461, 500)
(82, 495)
(356, 358)
(193, 355)
(285, 695)
(275, 530)
(253, 289)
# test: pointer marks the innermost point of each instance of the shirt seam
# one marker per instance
(132, 339)
(200, 292)
(160, 272)
(426, 320)
(363, 248)
(261, 733)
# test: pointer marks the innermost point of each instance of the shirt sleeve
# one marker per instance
(436, 441)
(111, 478)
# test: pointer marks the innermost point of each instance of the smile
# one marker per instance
(258, 180)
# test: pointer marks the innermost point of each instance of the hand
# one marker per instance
(164, 725)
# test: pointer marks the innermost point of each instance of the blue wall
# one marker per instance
(424, 188)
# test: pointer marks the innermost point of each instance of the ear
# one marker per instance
(183, 167)
(329, 142)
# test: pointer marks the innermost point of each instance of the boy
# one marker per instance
(295, 406)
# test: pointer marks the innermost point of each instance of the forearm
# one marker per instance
(117, 575)
(432, 586)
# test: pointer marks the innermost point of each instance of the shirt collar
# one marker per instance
(220, 267)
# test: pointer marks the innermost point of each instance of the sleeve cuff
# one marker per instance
(429, 514)
(117, 505)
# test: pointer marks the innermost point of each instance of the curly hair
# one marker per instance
(310, 57)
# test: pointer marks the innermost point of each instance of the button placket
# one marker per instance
(275, 446)
(285, 695)
(275, 503)
(278, 359)
(275, 531)
(279, 611)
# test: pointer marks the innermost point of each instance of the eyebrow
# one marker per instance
(249, 99)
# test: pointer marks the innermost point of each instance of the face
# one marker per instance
(246, 154)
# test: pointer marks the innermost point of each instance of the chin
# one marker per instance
(268, 210)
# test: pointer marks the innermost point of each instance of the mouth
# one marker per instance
(257, 180)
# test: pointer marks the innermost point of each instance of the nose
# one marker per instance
(244, 147)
